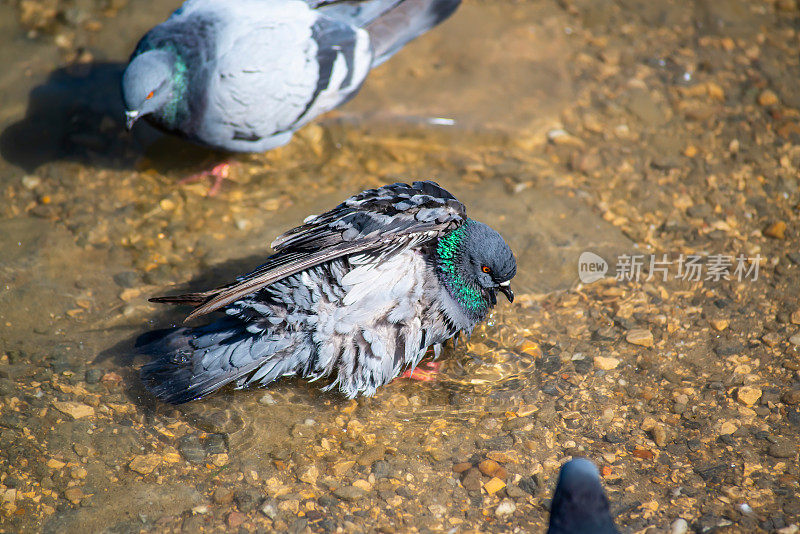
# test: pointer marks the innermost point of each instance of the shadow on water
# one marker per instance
(78, 115)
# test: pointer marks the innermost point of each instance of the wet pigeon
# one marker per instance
(580, 505)
(356, 294)
(243, 75)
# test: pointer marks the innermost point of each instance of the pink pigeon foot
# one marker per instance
(424, 372)
(218, 172)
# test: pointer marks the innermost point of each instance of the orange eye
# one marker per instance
(486, 269)
(149, 95)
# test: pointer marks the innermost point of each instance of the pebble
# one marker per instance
(341, 468)
(309, 475)
(795, 339)
(782, 448)
(767, 98)
(269, 510)
(719, 324)
(349, 493)
(29, 181)
(471, 480)
(74, 495)
(490, 468)
(494, 485)
(791, 397)
(222, 496)
(191, 449)
(659, 435)
(267, 399)
(728, 427)
(505, 508)
(235, 519)
(246, 499)
(93, 376)
(145, 464)
(748, 395)
(771, 339)
(640, 336)
(776, 230)
(606, 363)
(679, 526)
(795, 317)
(371, 455)
(74, 409)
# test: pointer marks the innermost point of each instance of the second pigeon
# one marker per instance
(243, 75)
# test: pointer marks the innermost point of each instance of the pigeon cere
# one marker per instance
(400, 266)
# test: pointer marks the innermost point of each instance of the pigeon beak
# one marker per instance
(505, 289)
(130, 118)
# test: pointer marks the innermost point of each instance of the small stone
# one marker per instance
(494, 485)
(246, 499)
(145, 464)
(606, 363)
(644, 454)
(659, 435)
(269, 510)
(776, 230)
(349, 493)
(640, 336)
(371, 455)
(30, 181)
(767, 98)
(93, 376)
(791, 397)
(235, 519)
(222, 496)
(719, 324)
(461, 467)
(679, 526)
(748, 395)
(341, 468)
(52, 463)
(782, 448)
(490, 468)
(74, 409)
(266, 399)
(309, 475)
(795, 339)
(505, 508)
(74, 495)
(772, 339)
(78, 473)
(220, 460)
(795, 317)
(471, 480)
(362, 484)
(727, 428)
(438, 510)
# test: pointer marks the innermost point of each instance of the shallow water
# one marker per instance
(92, 223)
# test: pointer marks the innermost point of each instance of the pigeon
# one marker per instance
(354, 295)
(580, 505)
(243, 75)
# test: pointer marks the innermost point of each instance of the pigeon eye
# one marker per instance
(149, 95)
(486, 269)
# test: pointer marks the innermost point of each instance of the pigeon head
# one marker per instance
(580, 505)
(475, 264)
(150, 84)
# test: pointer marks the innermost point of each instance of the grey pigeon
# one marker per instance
(580, 505)
(243, 75)
(356, 294)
